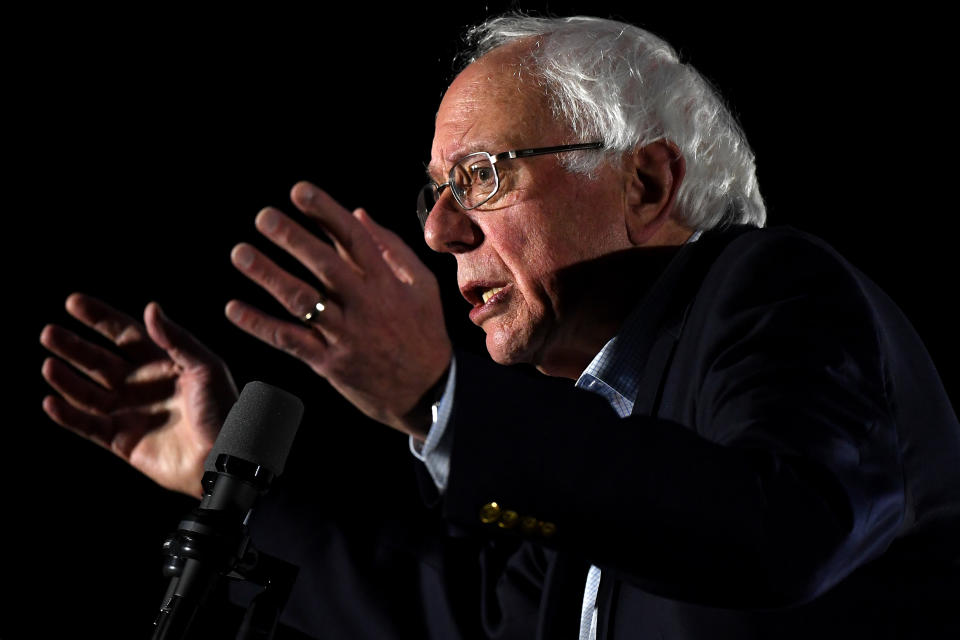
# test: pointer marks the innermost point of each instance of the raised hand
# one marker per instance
(158, 403)
(380, 339)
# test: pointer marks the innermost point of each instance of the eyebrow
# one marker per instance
(463, 152)
(429, 169)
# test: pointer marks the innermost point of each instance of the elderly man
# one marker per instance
(757, 444)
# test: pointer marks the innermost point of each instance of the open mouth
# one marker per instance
(486, 298)
(480, 292)
(489, 293)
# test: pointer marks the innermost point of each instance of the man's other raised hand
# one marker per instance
(157, 401)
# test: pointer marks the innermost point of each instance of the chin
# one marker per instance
(534, 347)
(502, 356)
(508, 348)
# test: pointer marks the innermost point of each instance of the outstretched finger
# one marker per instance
(118, 327)
(181, 345)
(312, 252)
(294, 294)
(106, 368)
(303, 343)
(97, 428)
(77, 390)
(398, 255)
(339, 224)
(119, 433)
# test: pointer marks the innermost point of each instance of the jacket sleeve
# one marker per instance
(779, 476)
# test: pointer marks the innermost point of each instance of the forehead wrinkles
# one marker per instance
(453, 127)
(491, 102)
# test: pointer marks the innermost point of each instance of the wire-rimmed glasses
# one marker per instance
(473, 180)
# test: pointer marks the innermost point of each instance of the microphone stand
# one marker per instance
(213, 544)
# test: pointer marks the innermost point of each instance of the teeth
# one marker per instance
(490, 293)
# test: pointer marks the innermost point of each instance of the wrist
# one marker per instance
(417, 421)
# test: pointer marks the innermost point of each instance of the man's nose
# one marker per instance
(449, 229)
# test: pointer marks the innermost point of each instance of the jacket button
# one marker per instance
(528, 524)
(489, 513)
(509, 519)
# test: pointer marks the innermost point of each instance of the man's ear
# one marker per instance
(655, 173)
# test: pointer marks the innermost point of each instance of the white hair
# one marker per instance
(617, 83)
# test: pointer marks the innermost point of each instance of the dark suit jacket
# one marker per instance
(791, 470)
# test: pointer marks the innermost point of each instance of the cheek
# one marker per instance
(531, 259)
(600, 227)
(536, 305)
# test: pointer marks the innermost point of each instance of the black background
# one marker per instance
(141, 145)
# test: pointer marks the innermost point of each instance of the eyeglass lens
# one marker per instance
(426, 200)
(473, 181)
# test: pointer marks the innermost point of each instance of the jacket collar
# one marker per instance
(635, 359)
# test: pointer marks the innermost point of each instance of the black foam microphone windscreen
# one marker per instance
(260, 428)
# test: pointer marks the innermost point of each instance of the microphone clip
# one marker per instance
(213, 544)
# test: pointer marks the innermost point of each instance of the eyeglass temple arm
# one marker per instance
(539, 151)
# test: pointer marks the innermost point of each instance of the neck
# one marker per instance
(569, 360)
(597, 296)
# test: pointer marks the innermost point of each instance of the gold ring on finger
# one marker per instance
(314, 314)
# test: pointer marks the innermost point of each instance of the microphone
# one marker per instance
(213, 542)
(252, 447)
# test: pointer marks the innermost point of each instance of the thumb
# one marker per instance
(182, 347)
(401, 259)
